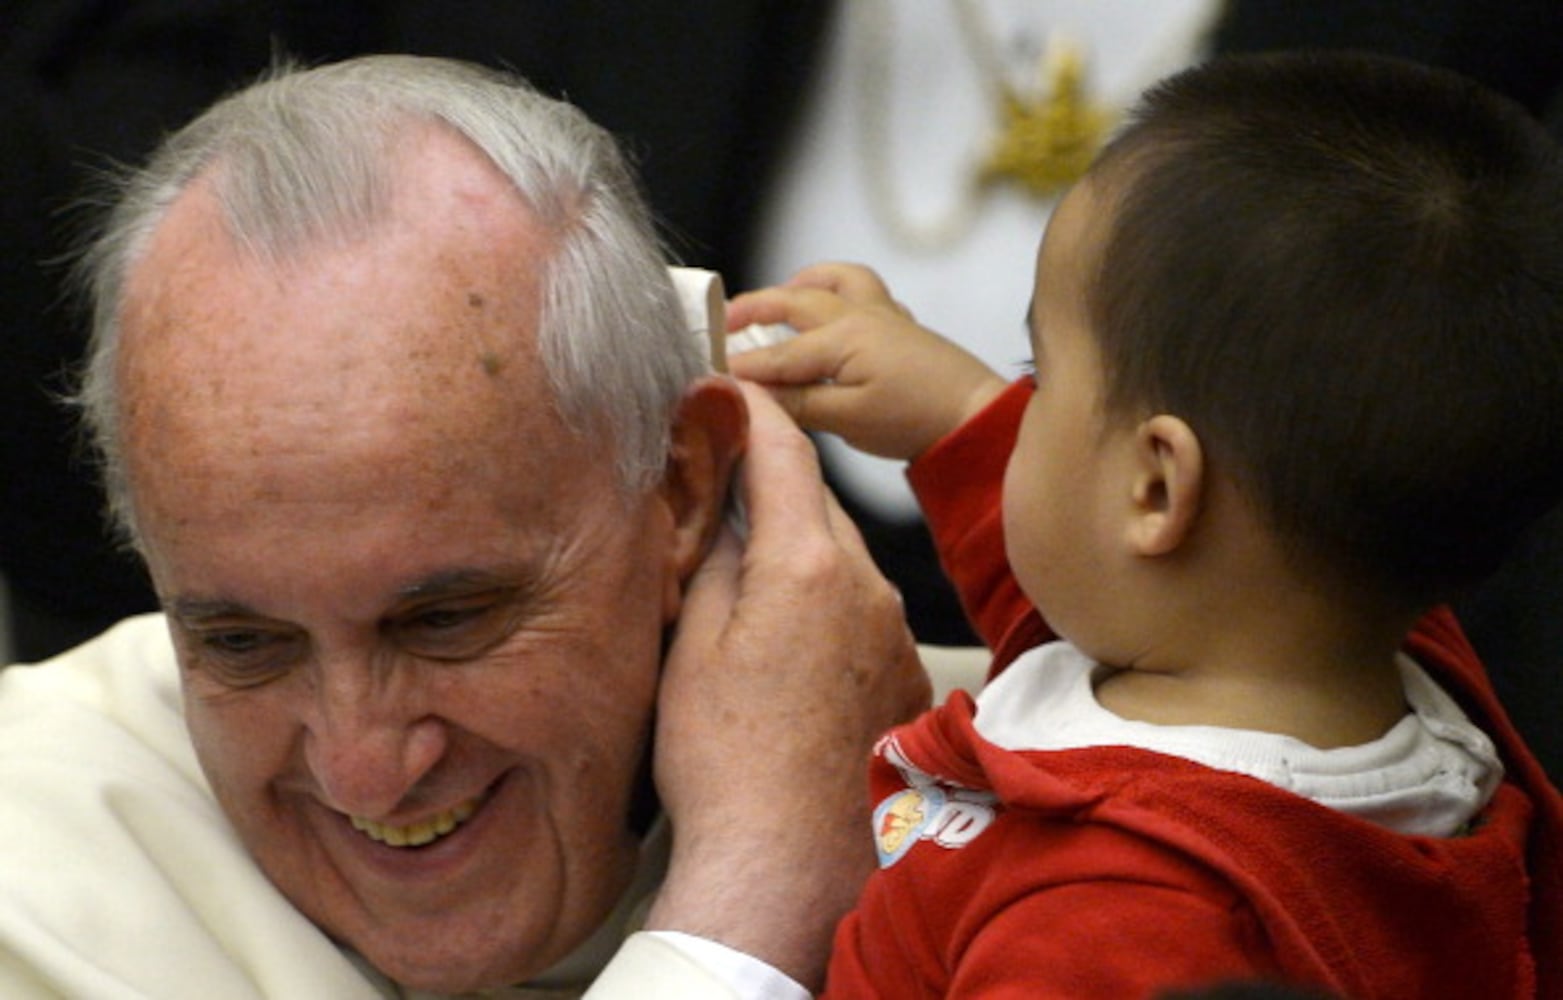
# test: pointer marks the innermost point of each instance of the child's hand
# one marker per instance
(862, 367)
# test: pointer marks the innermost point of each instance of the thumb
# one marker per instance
(712, 590)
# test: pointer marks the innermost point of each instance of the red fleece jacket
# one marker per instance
(1118, 873)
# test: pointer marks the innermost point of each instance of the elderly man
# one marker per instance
(394, 399)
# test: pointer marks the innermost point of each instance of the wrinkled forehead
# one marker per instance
(426, 321)
(452, 258)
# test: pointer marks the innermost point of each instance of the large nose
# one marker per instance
(371, 736)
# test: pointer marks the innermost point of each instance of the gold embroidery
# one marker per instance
(1047, 143)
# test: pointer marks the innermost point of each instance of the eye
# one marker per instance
(242, 656)
(1029, 372)
(446, 619)
(457, 628)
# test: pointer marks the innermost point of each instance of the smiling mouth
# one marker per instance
(418, 834)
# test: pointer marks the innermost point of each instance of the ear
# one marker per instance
(1168, 488)
(710, 429)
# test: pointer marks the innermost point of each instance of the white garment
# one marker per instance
(1429, 775)
(939, 115)
(121, 879)
(645, 965)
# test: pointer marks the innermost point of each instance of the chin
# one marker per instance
(459, 953)
(455, 975)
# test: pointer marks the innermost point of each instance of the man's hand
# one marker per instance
(791, 656)
(862, 368)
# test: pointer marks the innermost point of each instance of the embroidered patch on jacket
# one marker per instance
(900, 820)
(926, 809)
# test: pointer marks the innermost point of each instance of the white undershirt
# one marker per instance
(1429, 775)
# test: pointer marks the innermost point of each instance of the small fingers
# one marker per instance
(851, 281)
(855, 283)
(802, 308)
(816, 406)
(794, 361)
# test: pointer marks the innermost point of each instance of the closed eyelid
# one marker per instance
(237, 652)
(1031, 364)
(458, 628)
(470, 595)
(465, 605)
(205, 622)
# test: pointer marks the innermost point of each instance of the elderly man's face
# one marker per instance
(418, 623)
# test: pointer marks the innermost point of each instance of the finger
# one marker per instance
(853, 282)
(713, 587)
(770, 426)
(802, 308)
(845, 530)
(801, 404)
(781, 484)
(795, 361)
(816, 406)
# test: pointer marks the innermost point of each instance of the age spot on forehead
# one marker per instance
(490, 361)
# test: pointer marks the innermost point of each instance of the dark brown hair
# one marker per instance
(1345, 272)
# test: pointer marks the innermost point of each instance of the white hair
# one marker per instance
(305, 155)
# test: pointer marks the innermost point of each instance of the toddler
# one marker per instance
(1298, 348)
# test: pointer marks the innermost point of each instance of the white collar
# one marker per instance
(1429, 774)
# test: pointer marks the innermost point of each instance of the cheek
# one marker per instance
(242, 745)
(1013, 502)
(565, 689)
(578, 695)
(1027, 558)
(1029, 500)
(603, 718)
(1048, 524)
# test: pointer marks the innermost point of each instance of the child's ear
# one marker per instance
(1168, 485)
(710, 429)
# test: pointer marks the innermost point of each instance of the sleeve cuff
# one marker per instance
(669, 965)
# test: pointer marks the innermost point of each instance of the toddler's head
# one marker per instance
(1345, 274)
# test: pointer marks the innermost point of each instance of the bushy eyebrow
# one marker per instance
(192, 609)
(457, 581)
(441, 584)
